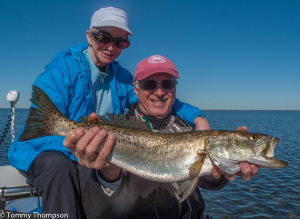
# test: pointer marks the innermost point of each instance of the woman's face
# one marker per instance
(105, 53)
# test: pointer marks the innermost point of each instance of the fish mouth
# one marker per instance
(267, 162)
(275, 163)
(270, 151)
(266, 158)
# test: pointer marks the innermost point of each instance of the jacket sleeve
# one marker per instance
(187, 112)
(21, 154)
(55, 84)
(131, 96)
(212, 184)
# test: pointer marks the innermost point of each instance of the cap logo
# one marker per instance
(156, 59)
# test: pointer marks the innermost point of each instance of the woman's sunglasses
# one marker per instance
(106, 39)
(152, 84)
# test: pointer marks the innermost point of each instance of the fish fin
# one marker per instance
(176, 125)
(124, 121)
(195, 168)
(174, 186)
(84, 119)
(186, 188)
(34, 126)
(181, 186)
(120, 120)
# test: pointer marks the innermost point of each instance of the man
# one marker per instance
(81, 80)
(118, 195)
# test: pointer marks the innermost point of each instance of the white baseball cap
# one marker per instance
(111, 16)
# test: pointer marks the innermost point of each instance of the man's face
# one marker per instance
(106, 53)
(158, 102)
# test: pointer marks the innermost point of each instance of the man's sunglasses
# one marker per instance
(106, 39)
(152, 84)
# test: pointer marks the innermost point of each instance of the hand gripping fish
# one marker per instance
(165, 157)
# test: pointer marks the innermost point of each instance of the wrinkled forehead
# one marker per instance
(160, 76)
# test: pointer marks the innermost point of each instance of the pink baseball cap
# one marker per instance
(154, 64)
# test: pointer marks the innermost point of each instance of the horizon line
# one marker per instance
(206, 109)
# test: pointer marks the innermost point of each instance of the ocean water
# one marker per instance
(273, 193)
(20, 118)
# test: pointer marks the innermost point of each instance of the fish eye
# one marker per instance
(253, 137)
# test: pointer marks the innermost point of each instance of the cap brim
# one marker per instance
(155, 70)
(105, 23)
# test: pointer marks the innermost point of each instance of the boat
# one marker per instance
(16, 196)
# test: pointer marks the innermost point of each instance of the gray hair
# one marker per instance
(93, 30)
(137, 86)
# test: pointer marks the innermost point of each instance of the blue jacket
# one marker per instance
(66, 81)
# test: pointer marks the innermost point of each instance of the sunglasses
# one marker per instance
(152, 84)
(106, 39)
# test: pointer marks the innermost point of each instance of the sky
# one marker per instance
(230, 54)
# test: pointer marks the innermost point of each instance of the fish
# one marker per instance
(180, 157)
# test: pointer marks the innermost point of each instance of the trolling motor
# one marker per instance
(12, 97)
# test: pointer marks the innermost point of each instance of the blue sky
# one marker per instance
(231, 55)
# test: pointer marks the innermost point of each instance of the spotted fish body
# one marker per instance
(166, 157)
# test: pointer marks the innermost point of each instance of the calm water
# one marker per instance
(272, 193)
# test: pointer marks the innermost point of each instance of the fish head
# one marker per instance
(228, 149)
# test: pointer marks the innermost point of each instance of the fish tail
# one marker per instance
(41, 120)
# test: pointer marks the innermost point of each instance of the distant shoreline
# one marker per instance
(249, 110)
(201, 109)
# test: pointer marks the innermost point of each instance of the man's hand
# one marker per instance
(93, 118)
(201, 124)
(242, 129)
(92, 150)
(247, 171)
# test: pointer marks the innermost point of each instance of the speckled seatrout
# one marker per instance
(166, 157)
